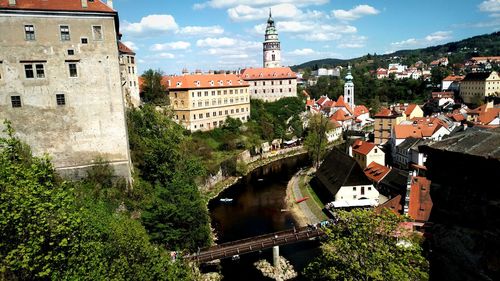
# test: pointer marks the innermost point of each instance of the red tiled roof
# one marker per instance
(340, 115)
(360, 109)
(393, 204)
(362, 147)
(410, 109)
(486, 58)
(421, 127)
(203, 81)
(321, 100)
(384, 112)
(376, 172)
(124, 49)
(488, 116)
(268, 73)
(457, 117)
(454, 78)
(420, 204)
(341, 103)
(57, 5)
(329, 103)
(310, 102)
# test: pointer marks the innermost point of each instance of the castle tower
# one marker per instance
(349, 88)
(272, 49)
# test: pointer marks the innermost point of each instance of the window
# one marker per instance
(60, 99)
(97, 32)
(71, 52)
(362, 190)
(73, 72)
(207, 114)
(16, 101)
(64, 32)
(28, 71)
(353, 188)
(40, 72)
(84, 40)
(29, 32)
(132, 60)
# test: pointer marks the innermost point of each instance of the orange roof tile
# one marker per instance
(340, 115)
(360, 109)
(384, 112)
(488, 116)
(362, 147)
(454, 78)
(57, 5)
(341, 103)
(376, 172)
(410, 109)
(420, 204)
(124, 49)
(310, 102)
(393, 204)
(322, 100)
(203, 81)
(268, 73)
(329, 103)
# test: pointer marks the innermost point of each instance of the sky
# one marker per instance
(171, 35)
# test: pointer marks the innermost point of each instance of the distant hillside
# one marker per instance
(457, 52)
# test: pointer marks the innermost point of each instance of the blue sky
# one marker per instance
(227, 34)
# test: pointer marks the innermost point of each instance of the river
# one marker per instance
(258, 208)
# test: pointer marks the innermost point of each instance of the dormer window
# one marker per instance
(261, 75)
(221, 82)
(197, 83)
(179, 84)
(229, 82)
(211, 82)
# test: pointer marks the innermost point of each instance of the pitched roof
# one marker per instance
(203, 81)
(420, 204)
(268, 73)
(338, 169)
(393, 204)
(340, 115)
(410, 109)
(477, 76)
(57, 5)
(341, 103)
(454, 78)
(362, 147)
(124, 49)
(322, 100)
(488, 116)
(376, 172)
(408, 143)
(359, 110)
(386, 112)
(492, 58)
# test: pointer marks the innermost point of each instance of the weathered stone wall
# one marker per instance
(91, 124)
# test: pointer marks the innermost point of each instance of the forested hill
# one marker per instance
(457, 52)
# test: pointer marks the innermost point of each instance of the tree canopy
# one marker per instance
(365, 245)
(154, 91)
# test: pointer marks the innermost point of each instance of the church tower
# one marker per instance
(349, 89)
(272, 49)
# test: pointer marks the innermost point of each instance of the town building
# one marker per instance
(60, 82)
(349, 89)
(476, 86)
(451, 83)
(385, 119)
(341, 182)
(366, 152)
(270, 84)
(202, 102)
(272, 47)
(486, 115)
(130, 79)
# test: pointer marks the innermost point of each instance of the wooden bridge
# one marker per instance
(257, 243)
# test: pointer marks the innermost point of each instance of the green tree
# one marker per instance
(316, 140)
(154, 91)
(365, 245)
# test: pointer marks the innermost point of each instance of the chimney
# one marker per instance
(84, 4)
(110, 3)
(12, 2)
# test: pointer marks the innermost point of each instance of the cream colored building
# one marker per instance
(476, 86)
(366, 152)
(130, 79)
(60, 82)
(202, 102)
(385, 120)
(271, 84)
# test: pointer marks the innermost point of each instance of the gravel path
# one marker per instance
(297, 194)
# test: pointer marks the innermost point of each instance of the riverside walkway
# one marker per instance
(257, 243)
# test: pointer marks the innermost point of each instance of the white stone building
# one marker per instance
(130, 79)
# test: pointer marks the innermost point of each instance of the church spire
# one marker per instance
(272, 49)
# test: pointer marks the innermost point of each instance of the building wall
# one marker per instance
(376, 155)
(91, 123)
(214, 105)
(475, 91)
(351, 193)
(417, 112)
(383, 128)
(272, 90)
(130, 80)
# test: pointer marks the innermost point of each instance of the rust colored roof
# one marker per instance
(322, 100)
(486, 58)
(457, 117)
(385, 112)
(454, 78)
(329, 103)
(393, 204)
(340, 115)
(488, 115)
(124, 49)
(310, 102)
(418, 131)
(362, 147)
(376, 172)
(203, 81)
(410, 109)
(341, 103)
(420, 204)
(57, 5)
(359, 110)
(268, 73)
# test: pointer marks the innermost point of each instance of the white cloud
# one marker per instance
(490, 6)
(435, 37)
(179, 45)
(166, 55)
(131, 45)
(355, 13)
(438, 36)
(351, 45)
(150, 24)
(219, 4)
(353, 42)
(216, 42)
(201, 30)
(302, 52)
(248, 13)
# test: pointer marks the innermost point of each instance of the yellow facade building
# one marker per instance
(476, 86)
(202, 102)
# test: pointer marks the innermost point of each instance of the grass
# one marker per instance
(314, 203)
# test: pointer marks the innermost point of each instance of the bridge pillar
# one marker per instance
(276, 256)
